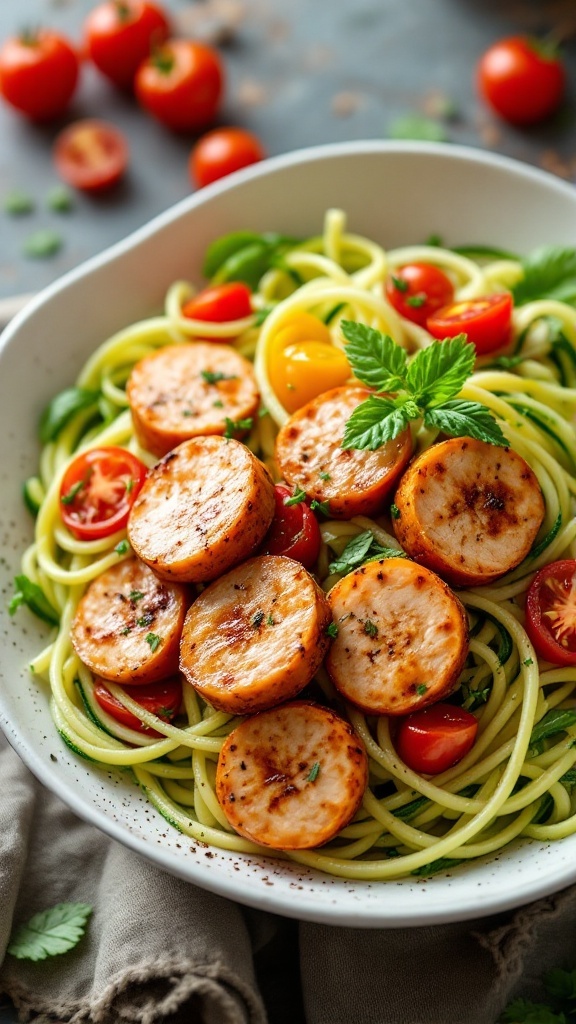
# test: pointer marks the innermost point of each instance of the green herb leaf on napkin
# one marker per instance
(50, 932)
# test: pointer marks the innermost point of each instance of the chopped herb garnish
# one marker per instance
(30, 594)
(324, 476)
(320, 506)
(263, 412)
(126, 630)
(395, 511)
(313, 773)
(421, 689)
(154, 641)
(473, 699)
(416, 300)
(270, 621)
(129, 485)
(218, 404)
(145, 620)
(295, 499)
(332, 630)
(400, 284)
(528, 662)
(237, 426)
(370, 628)
(214, 376)
(122, 547)
(258, 619)
(68, 499)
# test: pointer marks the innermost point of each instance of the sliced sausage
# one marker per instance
(310, 456)
(256, 636)
(203, 508)
(402, 637)
(292, 777)
(128, 623)
(183, 391)
(468, 510)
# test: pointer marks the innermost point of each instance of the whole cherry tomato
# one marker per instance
(219, 303)
(432, 740)
(551, 612)
(120, 34)
(417, 290)
(521, 79)
(98, 490)
(90, 155)
(38, 73)
(487, 321)
(294, 531)
(222, 151)
(303, 362)
(162, 699)
(181, 84)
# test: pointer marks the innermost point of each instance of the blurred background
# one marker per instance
(297, 74)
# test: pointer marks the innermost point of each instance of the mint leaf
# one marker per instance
(549, 273)
(375, 358)
(438, 372)
(373, 423)
(466, 419)
(50, 932)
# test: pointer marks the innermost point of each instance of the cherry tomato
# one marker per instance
(90, 155)
(521, 79)
(181, 84)
(38, 74)
(551, 612)
(222, 151)
(162, 699)
(487, 321)
(417, 290)
(294, 531)
(220, 303)
(120, 34)
(432, 740)
(98, 490)
(303, 362)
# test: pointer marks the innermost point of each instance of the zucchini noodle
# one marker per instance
(507, 786)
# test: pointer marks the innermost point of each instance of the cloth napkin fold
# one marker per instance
(158, 949)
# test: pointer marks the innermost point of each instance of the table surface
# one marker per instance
(298, 74)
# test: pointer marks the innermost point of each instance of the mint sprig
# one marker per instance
(423, 387)
(50, 932)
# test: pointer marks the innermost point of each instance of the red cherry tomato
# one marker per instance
(162, 699)
(220, 303)
(181, 84)
(551, 612)
(487, 321)
(521, 80)
(417, 290)
(90, 155)
(294, 531)
(432, 740)
(98, 490)
(38, 74)
(120, 34)
(222, 151)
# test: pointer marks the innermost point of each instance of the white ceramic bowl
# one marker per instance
(396, 193)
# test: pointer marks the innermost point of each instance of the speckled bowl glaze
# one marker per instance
(397, 194)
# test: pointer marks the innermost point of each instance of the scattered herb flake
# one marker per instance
(421, 689)
(528, 662)
(122, 547)
(313, 773)
(324, 476)
(400, 284)
(298, 496)
(395, 512)
(154, 641)
(214, 376)
(332, 630)
(146, 620)
(370, 628)
(321, 506)
(237, 426)
(416, 300)
(270, 621)
(68, 498)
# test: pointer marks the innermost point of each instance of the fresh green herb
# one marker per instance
(400, 284)
(218, 404)
(411, 809)
(122, 547)
(126, 631)
(362, 548)
(237, 426)
(50, 932)
(554, 721)
(425, 388)
(17, 203)
(313, 773)
(146, 620)
(30, 594)
(59, 200)
(417, 126)
(370, 628)
(298, 496)
(263, 412)
(332, 630)
(528, 662)
(245, 256)
(324, 476)
(416, 300)
(506, 362)
(421, 689)
(395, 512)
(547, 273)
(560, 990)
(270, 621)
(42, 244)
(62, 408)
(569, 778)
(436, 866)
(214, 376)
(154, 641)
(260, 316)
(68, 498)
(320, 506)
(473, 699)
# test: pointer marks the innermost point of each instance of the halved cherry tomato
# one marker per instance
(433, 739)
(38, 73)
(181, 84)
(162, 699)
(222, 151)
(521, 79)
(486, 320)
(303, 362)
(417, 290)
(220, 303)
(551, 612)
(294, 531)
(98, 490)
(90, 155)
(120, 34)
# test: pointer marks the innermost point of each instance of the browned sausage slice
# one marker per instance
(310, 456)
(402, 637)
(256, 636)
(203, 508)
(468, 510)
(183, 391)
(128, 623)
(292, 777)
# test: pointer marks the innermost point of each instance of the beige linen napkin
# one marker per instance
(160, 950)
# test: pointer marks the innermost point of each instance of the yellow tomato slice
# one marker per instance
(303, 362)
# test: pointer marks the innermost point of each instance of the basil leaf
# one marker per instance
(362, 549)
(50, 932)
(61, 410)
(375, 358)
(466, 419)
(437, 373)
(223, 248)
(374, 422)
(548, 273)
(554, 721)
